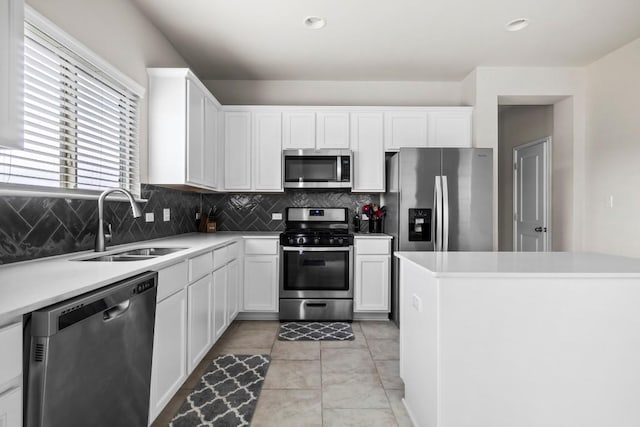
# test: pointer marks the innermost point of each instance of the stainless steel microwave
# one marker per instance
(317, 168)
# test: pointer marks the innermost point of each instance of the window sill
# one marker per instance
(61, 194)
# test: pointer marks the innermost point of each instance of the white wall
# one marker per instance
(307, 92)
(613, 156)
(121, 35)
(517, 125)
(494, 82)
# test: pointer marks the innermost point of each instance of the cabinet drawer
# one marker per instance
(200, 265)
(261, 247)
(233, 251)
(373, 246)
(220, 257)
(171, 280)
(11, 354)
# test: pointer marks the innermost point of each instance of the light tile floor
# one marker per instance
(327, 383)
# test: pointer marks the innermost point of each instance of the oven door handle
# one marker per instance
(316, 249)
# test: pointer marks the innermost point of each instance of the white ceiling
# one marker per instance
(419, 40)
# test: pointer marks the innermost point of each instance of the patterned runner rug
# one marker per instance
(315, 331)
(227, 393)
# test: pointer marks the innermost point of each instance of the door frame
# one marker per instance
(546, 144)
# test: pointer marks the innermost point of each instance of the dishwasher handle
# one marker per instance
(116, 311)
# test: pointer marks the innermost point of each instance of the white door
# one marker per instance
(195, 134)
(405, 129)
(367, 143)
(11, 408)
(169, 366)
(332, 130)
(219, 302)
(199, 326)
(450, 129)
(299, 130)
(233, 274)
(267, 148)
(237, 150)
(372, 280)
(261, 283)
(531, 197)
(210, 152)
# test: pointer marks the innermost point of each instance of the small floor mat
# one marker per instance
(315, 331)
(227, 393)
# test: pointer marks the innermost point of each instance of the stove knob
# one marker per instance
(331, 241)
(340, 240)
(316, 241)
(301, 240)
(291, 240)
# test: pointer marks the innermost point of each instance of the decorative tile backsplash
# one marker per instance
(252, 212)
(35, 227)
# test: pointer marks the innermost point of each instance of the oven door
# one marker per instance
(316, 272)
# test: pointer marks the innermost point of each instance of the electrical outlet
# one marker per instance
(610, 202)
(149, 217)
(166, 214)
(198, 215)
(276, 216)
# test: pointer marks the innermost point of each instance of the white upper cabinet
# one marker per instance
(237, 150)
(332, 130)
(267, 151)
(299, 130)
(210, 158)
(183, 130)
(195, 134)
(367, 143)
(11, 72)
(450, 128)
(405, 129)
(253, 151)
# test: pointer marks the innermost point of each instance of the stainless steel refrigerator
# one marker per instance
(438, 199)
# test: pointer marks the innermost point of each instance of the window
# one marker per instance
(80, 120)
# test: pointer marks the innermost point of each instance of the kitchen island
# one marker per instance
(520, 339)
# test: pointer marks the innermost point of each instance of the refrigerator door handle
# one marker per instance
(445, 214)
(437, 207)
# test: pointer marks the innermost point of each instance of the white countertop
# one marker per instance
(523, 264)
(30, 285)
(371, 236)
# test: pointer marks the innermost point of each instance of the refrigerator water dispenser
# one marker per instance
(420, 225)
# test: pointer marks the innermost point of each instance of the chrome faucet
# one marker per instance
(100, 235)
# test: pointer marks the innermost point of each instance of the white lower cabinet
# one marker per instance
(233, 290)
(219, 303)
(11, 408)
(372, 287)
(199, 326)
(261, 283)
(372, 283)
(169, 350)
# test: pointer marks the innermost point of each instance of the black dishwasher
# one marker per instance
(90, 357)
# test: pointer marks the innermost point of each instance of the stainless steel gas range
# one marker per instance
(316, 265)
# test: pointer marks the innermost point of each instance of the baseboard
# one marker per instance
(413, 420)
(370, 316)
(250, 315)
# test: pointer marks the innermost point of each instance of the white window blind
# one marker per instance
(80, 124)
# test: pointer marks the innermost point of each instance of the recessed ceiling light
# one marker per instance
(517, 24)
(314, 22)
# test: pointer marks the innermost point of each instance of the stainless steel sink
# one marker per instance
(118, 258)
(151, 252)
(139, 254)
